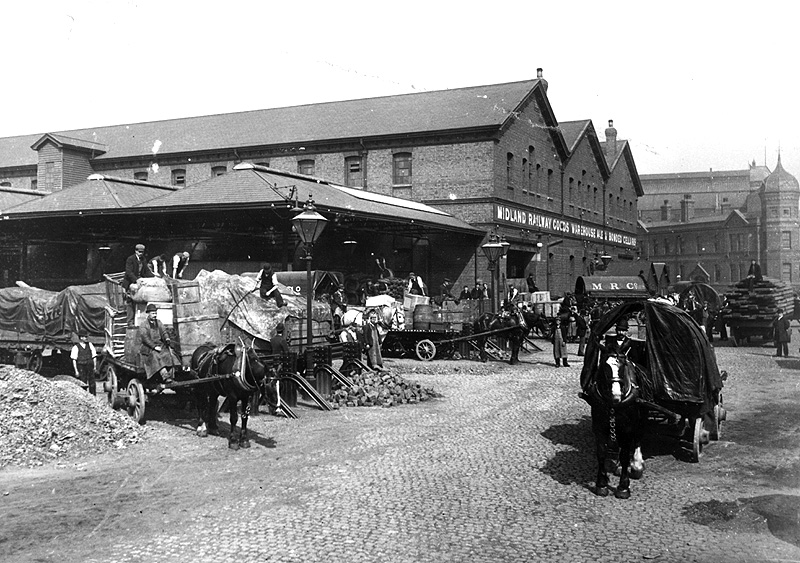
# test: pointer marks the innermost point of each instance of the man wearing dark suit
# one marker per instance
(753, 274)
(135, 268)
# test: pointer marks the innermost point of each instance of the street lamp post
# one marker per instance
(309, 225)
(493, 250)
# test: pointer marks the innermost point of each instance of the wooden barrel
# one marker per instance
(423, 315)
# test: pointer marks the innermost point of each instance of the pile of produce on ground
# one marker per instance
(43, 420)
(380, 389)
(762, 304)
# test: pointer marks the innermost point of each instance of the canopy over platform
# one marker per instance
(702, 291)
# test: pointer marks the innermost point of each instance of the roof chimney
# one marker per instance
(540, 77)
(666, 211)
(611, 141)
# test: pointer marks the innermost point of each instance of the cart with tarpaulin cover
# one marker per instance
(680, 383)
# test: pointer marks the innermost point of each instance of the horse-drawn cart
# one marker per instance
(676, 382)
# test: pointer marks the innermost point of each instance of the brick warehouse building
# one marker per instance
(720, 221)
(493, 156)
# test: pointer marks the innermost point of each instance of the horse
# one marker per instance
(246, 375)
(616, 421)
(514, 329)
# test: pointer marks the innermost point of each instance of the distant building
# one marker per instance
(721, 221)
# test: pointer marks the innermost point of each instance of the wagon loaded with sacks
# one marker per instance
(215, 307)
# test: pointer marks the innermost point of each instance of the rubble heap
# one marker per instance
(380, 389)
(43, 420)
(762, 304)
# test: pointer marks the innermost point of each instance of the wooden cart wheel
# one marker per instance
(110, 385)
(136, 401)
(426, 350)
(699, 439)
(35, 362)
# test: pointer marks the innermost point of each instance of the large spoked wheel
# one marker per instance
(35, 362)
(699, 439)
(111, 385)
(136, 401)
(426, 350)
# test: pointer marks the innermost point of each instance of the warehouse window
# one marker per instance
(401, 169)
(717, 273)
(265, 164)
(786, 274)
(5, 184)
(49, 174)
(178, 177)
(509, 170)
(786, 240)
(734, 273)
(140, 175)
(353, 172)
(218, 170)
(34, 184)
(524, 175)
(306, 167)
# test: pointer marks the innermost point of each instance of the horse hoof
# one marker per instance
(233, 445)
(244, 444)
(636, 473)
(601, 491)
(202, 433)
(622, 493)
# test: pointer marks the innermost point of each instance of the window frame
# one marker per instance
(402, 168)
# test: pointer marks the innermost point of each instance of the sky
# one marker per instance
(691, 85)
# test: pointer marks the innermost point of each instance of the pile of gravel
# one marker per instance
(43, 420)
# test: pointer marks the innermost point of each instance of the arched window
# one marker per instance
(178, 177)
(5, 184)
(524, 174)
(218, 170)
(140, 175)
(509, 170)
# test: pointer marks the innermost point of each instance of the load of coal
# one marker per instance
(43, 420)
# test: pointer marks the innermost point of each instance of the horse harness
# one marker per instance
(212, 359)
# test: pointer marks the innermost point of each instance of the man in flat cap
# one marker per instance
(157, 355)
(135, 268)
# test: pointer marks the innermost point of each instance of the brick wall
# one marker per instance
(49, 152)
(75, 167)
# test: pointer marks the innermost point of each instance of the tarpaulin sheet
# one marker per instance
(237, 298)
(54, 314)
(681, 364)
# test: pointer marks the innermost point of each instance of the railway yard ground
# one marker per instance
(498, 467)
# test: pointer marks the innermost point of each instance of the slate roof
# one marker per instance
(10, 197)
(98, 193)
(572, 131)
(251, 186)
(426, 112)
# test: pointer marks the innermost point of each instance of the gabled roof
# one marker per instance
(476, 107)
(575, 131)
(250, 186)
(97, 194)
(624, 152)
(64, 141)
(705, 222)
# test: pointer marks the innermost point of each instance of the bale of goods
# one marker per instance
(396, 287)
(423, 316)
(760, 305)
(150, 289)
(380, 389)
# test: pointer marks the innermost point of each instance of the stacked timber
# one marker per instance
(380, 389)
(760, 305)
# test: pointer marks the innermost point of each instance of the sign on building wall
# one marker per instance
(552, 223)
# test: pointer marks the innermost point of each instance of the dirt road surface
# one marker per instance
(499, 468)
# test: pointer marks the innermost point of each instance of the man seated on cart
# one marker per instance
(157, 356)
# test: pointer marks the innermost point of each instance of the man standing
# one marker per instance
(179, 263)
(156, 355)
(415, 286)
(512, 295)
(84, 361)
(783, 334)
(135, 268)
(372, 342)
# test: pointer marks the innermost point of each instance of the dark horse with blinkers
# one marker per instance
(237, 374)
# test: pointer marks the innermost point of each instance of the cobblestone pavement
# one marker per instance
(497, 469)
